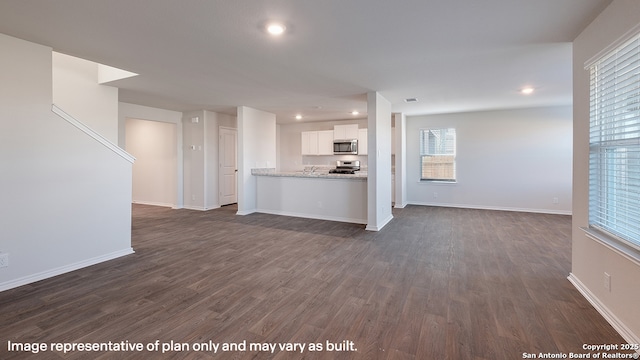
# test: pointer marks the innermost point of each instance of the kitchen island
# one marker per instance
(312, 194)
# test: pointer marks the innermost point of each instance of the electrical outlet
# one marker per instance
(607, 281)
(4, 260)
(555, 200)
(435, 195)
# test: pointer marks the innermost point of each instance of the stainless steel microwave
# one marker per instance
(341, 147)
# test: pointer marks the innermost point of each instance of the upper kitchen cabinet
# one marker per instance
(345, 132)
(309, 143)
(317, 142)
(325, 142)
(363, 142)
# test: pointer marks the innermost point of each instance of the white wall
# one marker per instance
(290, 196)
(134, 111)
(201, 157)
(256, 149)
(108, 74)
(65, 197)
(194, 159)
(290, 156)
(196, 170)
(378, 161)
(591, 258)
(508, 159)
(77, 92)
(128, 111)
(154, 144)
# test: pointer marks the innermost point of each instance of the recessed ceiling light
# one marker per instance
(298, 117)
(527, 90)
(275, 29)
(355, 112)
(410, 100)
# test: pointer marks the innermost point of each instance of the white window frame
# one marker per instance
(614, 146)
(446, 149)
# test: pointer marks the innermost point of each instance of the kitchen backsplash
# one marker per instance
(326, 168)
(330, 160)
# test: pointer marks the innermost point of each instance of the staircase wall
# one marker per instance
(65, 198)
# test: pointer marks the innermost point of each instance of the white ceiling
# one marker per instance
(453, 55)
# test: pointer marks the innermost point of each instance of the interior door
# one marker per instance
(228, 181)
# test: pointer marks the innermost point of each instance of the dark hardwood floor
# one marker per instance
(435, 283)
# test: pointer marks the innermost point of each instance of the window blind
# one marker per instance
(614, 143)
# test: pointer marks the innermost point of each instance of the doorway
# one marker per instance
(228, 157)
(154, 144)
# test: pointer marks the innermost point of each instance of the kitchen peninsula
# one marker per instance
(313, 193)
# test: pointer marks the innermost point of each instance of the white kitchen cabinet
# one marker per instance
(325, 142)
(309, 143)
(317, 142)
(345, 132)
(363, 142)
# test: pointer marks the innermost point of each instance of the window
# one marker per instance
(438, 154)
(614, 144)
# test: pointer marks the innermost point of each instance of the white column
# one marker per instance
(379, 162)
(401, 160)
(256, 149)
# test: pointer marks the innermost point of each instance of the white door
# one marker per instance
(228, 181)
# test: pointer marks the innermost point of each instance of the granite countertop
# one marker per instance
(320, 173)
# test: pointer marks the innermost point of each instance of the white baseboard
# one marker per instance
(153, 203)
(63, 269)
(313, 216)
(616, 323)
(399, 205)
(498, 208)
(198, 208)
(379, 226)
(245, 212)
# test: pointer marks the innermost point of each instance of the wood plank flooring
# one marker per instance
(435, 283)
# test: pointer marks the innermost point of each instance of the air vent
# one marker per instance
(410, 100)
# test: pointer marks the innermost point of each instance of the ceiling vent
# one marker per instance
(411, 100)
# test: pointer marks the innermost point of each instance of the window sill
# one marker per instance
(617, 246)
